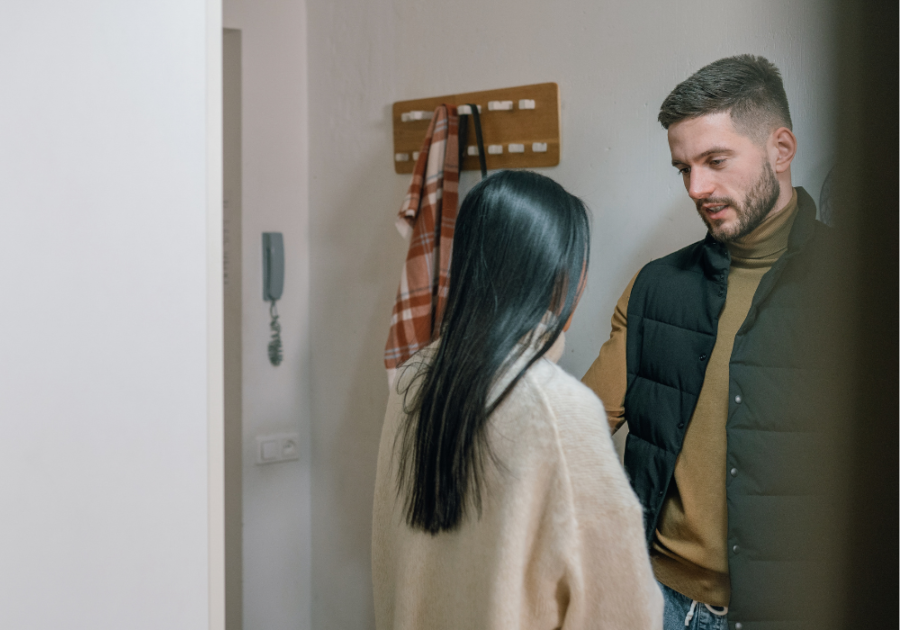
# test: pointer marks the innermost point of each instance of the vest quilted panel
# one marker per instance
(673, 314)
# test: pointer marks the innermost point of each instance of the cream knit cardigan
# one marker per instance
(559, 543)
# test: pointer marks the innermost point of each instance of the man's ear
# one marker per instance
(782, 149)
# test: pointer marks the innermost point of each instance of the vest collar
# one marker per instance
(804, 223)
(716, 259)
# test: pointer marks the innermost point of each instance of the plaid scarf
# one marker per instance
(429, 212)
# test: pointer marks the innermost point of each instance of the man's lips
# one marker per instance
(715, 211)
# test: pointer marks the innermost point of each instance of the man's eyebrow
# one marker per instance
(706, 153)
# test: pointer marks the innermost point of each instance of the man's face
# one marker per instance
(726, 173)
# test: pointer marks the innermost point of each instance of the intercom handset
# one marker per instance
(273, 266)
(273, 286)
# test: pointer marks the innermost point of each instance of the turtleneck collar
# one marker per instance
(768, 241)
(536, 338)
(554, 354)
(527, 347)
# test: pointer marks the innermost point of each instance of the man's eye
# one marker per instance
(717, 162)
(684, 171)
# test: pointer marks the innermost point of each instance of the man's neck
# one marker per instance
(784, 197)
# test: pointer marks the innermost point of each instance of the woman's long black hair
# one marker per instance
(520, 249)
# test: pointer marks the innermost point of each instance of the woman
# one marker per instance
(499, 499)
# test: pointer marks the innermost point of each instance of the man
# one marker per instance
(713, 361)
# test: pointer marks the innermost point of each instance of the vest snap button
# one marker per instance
(738, 626)
(734, 472)
(735, 549)
(703, 357)
(681, 425)
(738, 399)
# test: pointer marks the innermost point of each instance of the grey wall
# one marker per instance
(614, 62)
(276, 555)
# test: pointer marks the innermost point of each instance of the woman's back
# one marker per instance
(559, 540)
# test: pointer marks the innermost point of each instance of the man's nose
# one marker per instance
(700, 185)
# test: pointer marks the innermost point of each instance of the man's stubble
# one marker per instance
(759, 202)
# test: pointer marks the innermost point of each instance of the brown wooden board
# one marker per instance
(520, 126)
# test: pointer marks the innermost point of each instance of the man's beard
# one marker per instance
(760, 200)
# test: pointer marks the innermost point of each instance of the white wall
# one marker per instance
(276, 499)
(614, 62)
(104, 173)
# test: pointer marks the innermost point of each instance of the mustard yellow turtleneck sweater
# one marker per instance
(689, 547)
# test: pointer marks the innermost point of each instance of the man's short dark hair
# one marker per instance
(747, 86)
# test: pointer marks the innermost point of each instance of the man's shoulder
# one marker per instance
(687, 259)
(666, 285)
(824, 238)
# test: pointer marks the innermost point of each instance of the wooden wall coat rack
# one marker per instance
(520, 125)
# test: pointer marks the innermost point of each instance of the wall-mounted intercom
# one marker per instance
(273, 286)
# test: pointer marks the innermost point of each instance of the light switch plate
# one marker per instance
(277, 447)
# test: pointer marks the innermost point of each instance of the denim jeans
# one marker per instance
(678, 610)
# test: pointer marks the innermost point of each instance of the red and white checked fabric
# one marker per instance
(429, 212)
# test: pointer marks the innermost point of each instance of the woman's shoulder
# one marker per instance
(563, 392)
(547, 407)
(585, 446)
(575, 416)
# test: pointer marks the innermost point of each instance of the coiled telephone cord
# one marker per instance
(275, 349)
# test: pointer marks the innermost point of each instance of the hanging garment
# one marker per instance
(429, 212)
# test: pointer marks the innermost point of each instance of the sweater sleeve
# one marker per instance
(607, 376)
(610, 581)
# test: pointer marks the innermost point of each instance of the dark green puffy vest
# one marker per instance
(780, 368)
